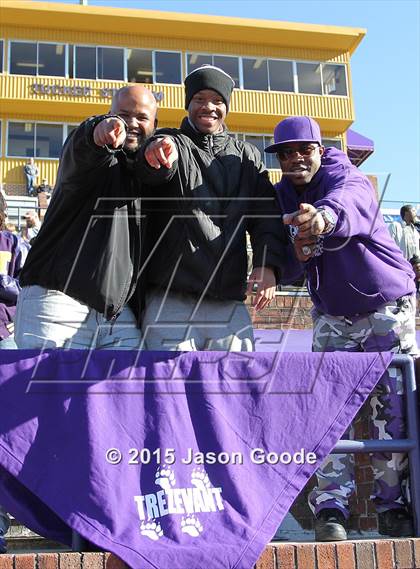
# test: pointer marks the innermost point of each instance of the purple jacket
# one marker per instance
(13, 252)
(358, 266)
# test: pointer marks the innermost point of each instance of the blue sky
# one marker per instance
(385, 71)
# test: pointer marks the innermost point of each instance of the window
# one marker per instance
(52, 59)
(23, 59)
(167, 67)
(270, 159)
(149, 66)
(255, 73)
(336, 142)
(261, 141)
(146, 66)
(110, 63)
(119, 64)
(70, 129)
(288, 76)
(309, 78)
(71, 60)
(229, 64)
(140, 66)
(195, 60)
(41, 140)
(85, 62)
(334, 79)
(48, 140)
(256, 140)
(1, 55)
(21, 139)
(98, 62)
(38, 59)
(281, 75)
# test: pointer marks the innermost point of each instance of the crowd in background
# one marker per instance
(406, 234)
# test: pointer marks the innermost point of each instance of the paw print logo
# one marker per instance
(165, 477)
(200, 479)
(191, 525)
(151, 529)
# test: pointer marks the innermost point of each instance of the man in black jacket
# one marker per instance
(206, 191)
(84, 265)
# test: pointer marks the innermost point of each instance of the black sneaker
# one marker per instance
(395, 523)
(329, 525)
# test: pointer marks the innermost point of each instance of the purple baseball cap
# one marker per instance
(295, 129)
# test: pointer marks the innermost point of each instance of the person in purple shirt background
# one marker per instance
(13, 252)
(363, 293)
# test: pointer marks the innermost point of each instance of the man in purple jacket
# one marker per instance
(364, 300)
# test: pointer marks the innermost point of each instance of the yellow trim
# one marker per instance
(205, 46)
(275, 176)
(250, 111)
(11, 170)
(180, 26)
(247, 107)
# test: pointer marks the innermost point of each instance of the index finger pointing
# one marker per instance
(306, 207)
(161, 156)
(167, 142)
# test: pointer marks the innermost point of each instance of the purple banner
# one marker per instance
(171, 460)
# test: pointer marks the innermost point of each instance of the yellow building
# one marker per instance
(60, 63)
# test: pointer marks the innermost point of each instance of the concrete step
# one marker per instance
(20, 539)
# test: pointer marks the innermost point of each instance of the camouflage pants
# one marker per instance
(390, 328)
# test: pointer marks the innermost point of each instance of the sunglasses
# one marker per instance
(303, 149)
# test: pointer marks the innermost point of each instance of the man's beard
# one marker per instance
(141, 140)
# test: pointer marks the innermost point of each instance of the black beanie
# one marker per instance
(208, 77)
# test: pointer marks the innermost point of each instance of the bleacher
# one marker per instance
(17, 206)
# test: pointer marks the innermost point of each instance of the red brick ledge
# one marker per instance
(361, 554)
(61, 561)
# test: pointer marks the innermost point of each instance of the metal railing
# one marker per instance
(16, 214)
(410, 445)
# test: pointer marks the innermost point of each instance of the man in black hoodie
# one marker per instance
(207, 190)
(85, 262)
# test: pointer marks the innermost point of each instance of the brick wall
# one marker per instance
(61, 561)
(14, 189)
(381, 554)
(288, 311)
(285, 311)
